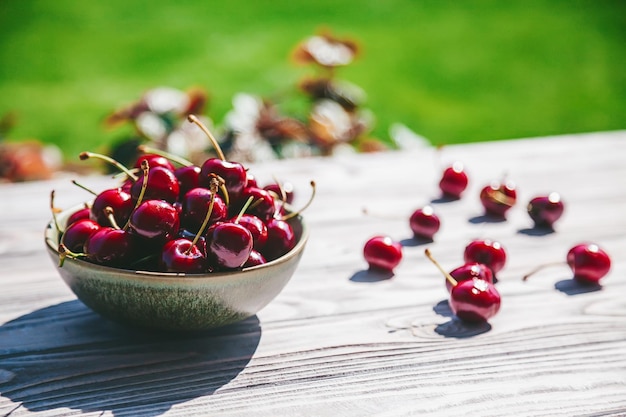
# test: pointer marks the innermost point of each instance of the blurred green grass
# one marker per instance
(452, 71)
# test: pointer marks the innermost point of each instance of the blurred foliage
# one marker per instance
(451, 71)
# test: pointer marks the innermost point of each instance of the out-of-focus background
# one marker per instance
(450, 71)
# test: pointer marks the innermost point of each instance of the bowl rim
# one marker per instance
(52, 247)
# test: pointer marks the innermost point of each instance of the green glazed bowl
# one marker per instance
(172, 301)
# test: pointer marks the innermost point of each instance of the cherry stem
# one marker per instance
(54, 211)
(214, 184)
(244, 208)
(64, 252)
(216, 145)
(501, 198)
(79, 185)
(86, 155)
(539, 268)
(108, 211)
(174, 158)
(145, 166)
(449, 277)
(296, 213)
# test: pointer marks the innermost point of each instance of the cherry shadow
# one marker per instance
(371, 275)
(66, 356)
(483, 218)
(455, 328)
(536, 231)
(572, 287)
(444, 200)
(443, 309)
(415, 241)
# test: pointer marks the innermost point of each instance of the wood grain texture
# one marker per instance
(340, 341)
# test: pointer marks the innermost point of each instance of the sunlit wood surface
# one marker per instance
(340, 341)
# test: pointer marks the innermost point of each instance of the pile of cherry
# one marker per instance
(187, 219)
(474, 297)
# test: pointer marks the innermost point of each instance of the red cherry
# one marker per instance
(278, 190)
(472, 300)
(229, 245)
(424, 223)
(263, 205)
(77, 233)
(382, 253)
(112, 247)
(188, 178)
(162, 185)
(182, 255)
(488, 252)
(545, 210)
(256, 227)
(453, 181)
(255, 259)
(280, 239)
(154, 161)
(475, 300)
(186, 255)
(233, 173)
(120, 202)
(195, 205)
(156, 220)
(470, 271)
(588, 262)
(84, 213)
(498, 198)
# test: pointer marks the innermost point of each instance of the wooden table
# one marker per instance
(339, 341)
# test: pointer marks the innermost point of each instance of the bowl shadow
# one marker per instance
(67, 356)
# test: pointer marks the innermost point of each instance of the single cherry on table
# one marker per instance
(474, 300)
(498, 197)
(424, 223)
(545, 210)
(454, 181)
(487, 252)
(382, 253)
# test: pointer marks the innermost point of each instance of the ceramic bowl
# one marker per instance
(174, 301)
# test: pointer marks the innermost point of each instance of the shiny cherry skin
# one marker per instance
(154, 161)
(256, 227)
(470, 271)
(589, 263)
(84, 213)
(195, 205)
(382, 253)
(287, 188)
(280, 239)
(424, 223)
(119, 200)
(188, 178)
(474, 300)
(233, 173)
(162, 185)
(77, 233)
(228, 245)
(454, 181)
(487, 252)
(262, 206)
(181, 255)
(111, 247)
(255, 259)
(546, 210)
(155, 220)
(498, 198)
